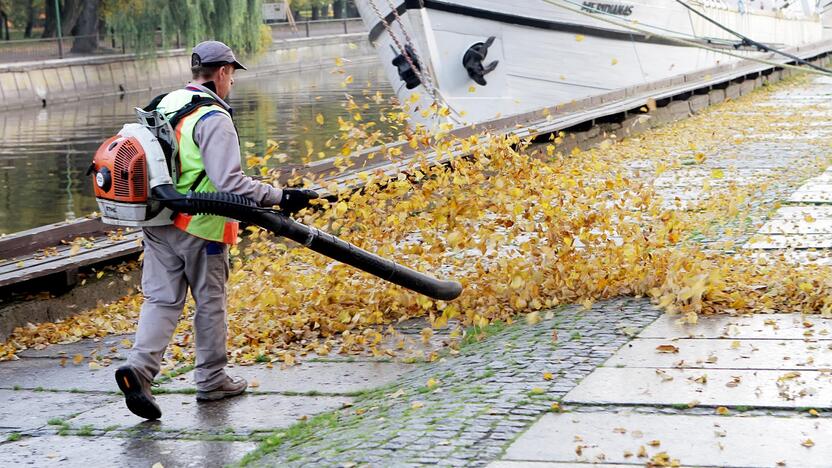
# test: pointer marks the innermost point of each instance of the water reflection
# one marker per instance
(44, 153)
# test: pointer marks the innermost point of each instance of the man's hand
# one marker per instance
(295, 200)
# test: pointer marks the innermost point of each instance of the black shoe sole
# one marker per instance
(137, 402)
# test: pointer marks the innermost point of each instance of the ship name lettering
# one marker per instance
(611, 8)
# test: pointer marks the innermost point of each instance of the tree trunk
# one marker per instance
(87, 29)
(49, 25)
(338, 9)
(70, 12)
(5, 24)
(315, 13)
(352, 10)
(30, 19)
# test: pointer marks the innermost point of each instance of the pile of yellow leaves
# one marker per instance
(524, 228)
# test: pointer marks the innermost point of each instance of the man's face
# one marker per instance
(224, 80)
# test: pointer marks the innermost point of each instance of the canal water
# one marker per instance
(44, 153)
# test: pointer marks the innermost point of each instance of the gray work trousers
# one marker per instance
(173, 261)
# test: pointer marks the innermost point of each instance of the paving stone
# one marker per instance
(789, 241)
(103, 347)
(694, 440)
(531, 464)
(725, 354)
(242, 414)
(55, 450)
(814, 194)
(327, 377)
(757, 326)
(24, 410)
(797, 226)
(723, 387)
(49, 374)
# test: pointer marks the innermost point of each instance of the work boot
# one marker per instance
(137, 393)
(230, 387)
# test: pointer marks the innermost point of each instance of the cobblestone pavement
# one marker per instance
(457, 410)
(481, 399)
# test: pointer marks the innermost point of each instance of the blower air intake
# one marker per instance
(133, 187)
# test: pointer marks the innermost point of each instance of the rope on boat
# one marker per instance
(588, 7)
(685, 41)
(748, 41)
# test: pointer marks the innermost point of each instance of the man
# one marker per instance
(193, 251)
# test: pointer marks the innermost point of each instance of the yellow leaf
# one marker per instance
(579, 37)
(722, 411)
(537, 391)
(808, 443)
(77, 359)
(99, 274)
(94, 365)
(431, 383)
(472, 88)
(339, 62)
(614, 61)
(548, 376)
(320, 119)
(254, 382)
(417, 404)
(717, 174)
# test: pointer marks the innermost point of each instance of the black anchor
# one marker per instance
(472, 61)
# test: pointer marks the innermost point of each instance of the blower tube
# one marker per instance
(244, 209)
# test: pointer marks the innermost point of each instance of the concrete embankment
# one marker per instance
(36, 84)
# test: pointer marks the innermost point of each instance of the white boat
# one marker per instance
(485, 59)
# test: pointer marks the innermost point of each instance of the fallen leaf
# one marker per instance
(667, 348)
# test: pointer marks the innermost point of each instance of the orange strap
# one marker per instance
(230, 232)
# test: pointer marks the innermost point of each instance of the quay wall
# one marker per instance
(39, 84)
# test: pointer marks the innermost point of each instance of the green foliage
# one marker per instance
(235, 22)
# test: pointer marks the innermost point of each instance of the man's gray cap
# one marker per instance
(213, 54)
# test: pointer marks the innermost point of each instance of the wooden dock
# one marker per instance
(52, 252)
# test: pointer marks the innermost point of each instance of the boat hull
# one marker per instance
(556, 55)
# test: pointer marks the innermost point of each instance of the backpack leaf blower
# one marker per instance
(133, 177)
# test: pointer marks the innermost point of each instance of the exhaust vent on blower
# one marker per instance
(130, 178)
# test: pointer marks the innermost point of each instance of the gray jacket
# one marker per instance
(220, 148)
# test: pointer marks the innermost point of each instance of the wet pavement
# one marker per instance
(61, 406)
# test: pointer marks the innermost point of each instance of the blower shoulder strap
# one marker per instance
(196, 102)
(154, 103)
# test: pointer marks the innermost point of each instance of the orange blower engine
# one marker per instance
(126, 168)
